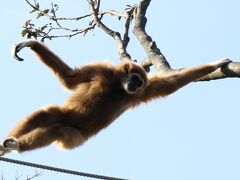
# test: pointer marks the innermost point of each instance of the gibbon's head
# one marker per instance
(133, 77)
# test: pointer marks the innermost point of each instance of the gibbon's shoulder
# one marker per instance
(103, 70)
(96, 64)
(97, 68)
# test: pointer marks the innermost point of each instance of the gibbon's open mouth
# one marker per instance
(136, 80)
(131, 87)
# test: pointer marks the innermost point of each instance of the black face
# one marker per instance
(134, 82)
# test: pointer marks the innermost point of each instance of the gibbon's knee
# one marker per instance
(69, 138)
(44, 117)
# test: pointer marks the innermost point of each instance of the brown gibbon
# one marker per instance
(100, 93)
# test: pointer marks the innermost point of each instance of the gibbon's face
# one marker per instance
(134, 78)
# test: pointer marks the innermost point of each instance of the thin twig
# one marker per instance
(102, 12)
(39, 10)
(34, 7)
(46, 36)
(2, 177)
(129, 17)
(36, 174)
(54, 16)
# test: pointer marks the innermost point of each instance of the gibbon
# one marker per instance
(100, 93)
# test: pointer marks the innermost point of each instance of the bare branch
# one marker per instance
(99, 23)
(36, 174)
(153, 52)
(46, 31)
(129, 17)
(115, 35)
(17, 176)
(2, 177)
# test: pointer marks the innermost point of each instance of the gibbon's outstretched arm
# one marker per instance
(65, 74)
(164, 84)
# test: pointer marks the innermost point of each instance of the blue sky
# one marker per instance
(192, 134)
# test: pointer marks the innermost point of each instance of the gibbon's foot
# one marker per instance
(221, 62)
(18, 46)
(11, 144)
(2, 150)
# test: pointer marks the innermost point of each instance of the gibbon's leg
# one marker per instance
(67, 137)
(44, 117)
(2, 150)
(42, 128)
(60, 69)
(165, 84)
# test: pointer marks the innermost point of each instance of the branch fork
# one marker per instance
(135, 14)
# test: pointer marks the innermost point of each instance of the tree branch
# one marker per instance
(114, 34)
(45, 32)
(154, 54)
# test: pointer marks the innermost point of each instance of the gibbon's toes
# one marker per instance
(222, 62)
(2, 150)
(11, 144)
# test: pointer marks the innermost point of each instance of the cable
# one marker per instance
(51, 168)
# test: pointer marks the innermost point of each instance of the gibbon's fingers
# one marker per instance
(15, 50)
(20, 45)
(221, 62)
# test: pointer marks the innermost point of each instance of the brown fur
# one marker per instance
(98, 99)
